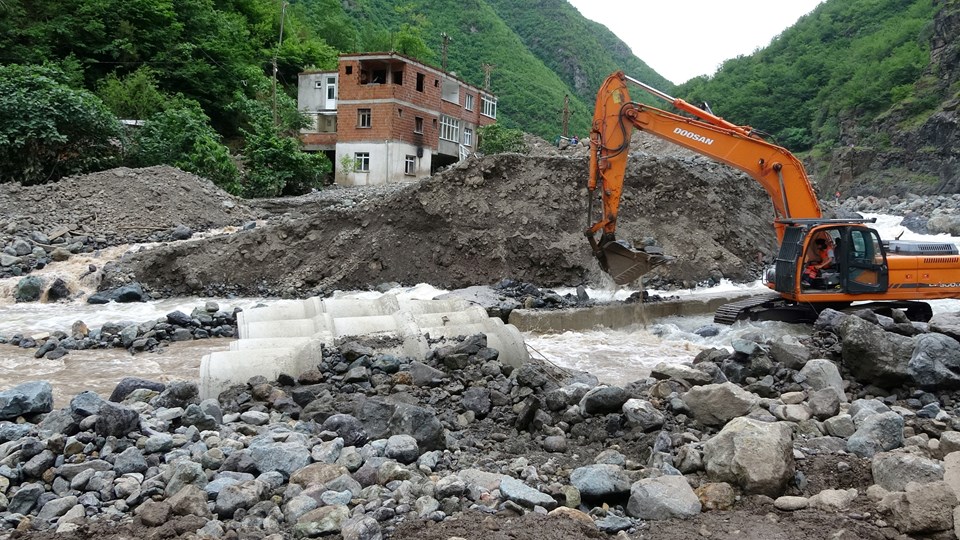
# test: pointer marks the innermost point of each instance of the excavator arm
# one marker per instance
(615, 117)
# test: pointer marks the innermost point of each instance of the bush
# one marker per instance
(182, 137)
(496, 139)
(276, 166)
(49, 130)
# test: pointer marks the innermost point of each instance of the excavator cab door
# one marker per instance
(791, 249)
(863, 263)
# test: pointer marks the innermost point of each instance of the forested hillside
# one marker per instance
(855, 82)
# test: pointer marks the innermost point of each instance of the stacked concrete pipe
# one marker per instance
(288, 337)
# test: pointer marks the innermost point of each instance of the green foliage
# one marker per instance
(496, 139)
(831, 74)
(277, 166)
(182, 137)
(274, 162)
(134, 96)
(49, 130)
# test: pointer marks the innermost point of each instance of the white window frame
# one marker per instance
(361, 161)
(361, 116)
(410, 165)
(468, 102)
(318, 84)
(331, 88)
(467, 136)
(489, 106)
(449, 128)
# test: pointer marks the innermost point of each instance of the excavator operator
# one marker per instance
(822, 257)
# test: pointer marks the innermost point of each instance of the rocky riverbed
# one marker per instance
(853, 432)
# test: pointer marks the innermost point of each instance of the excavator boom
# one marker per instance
(615, 117)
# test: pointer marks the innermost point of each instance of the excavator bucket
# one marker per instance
(625, 264)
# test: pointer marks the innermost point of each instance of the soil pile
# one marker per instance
(120, 205)
(484, 219)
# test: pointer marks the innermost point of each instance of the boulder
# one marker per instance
(873, 355)
(935, 363)
(946, 323)
(600, 481)
(27, 398)
(894, 470)
(756, 456)
(665, 497)
(522, 494)
(116, 420)
(716, 404)
(819, 374)
(877, 433)
(28, 289)
(680, 372)
(923, 508)
(642, 414)
(604, 400)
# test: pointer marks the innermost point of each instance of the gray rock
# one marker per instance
(716, 404)
(946, 323)
(129, 384)
(450, 486)
(28, 289)
(819, 374)
(424, 375)
(130, 460)
(923, 508)
(115, 420)
(643, 414)
(935, 363)
(791, 355)
(861, 409)
(185, 473)
(56, 508)
(402, 448)
(878, 433)
(361, 528)
(284, 457)
(347, 427)
(178, 394)
(181, 232)
(237, 496)
(604, 400)
(561, 398)
(477, 399)
(873, 355)
(680, 372)
(195, 415)
(25, 498)
(665, 497)
(323, 520)
(894, 470)
(190, 501)
(420, 423)
(600, 481)
(756, 456)
(27, 398)
(298, 506)
(520, 493)
(86, 403)
(824, 403)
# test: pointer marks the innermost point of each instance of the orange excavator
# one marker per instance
(853, 263)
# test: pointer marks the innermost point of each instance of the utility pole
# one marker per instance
(487, 68)
(446, 39)
(566, 113)
(283, 11)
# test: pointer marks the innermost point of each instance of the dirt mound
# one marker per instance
(120, 205)
(485, 219)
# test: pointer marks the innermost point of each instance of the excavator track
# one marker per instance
(769, 306)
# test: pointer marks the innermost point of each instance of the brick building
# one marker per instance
(384, 117)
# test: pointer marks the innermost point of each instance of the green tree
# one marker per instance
(181, 136)
(134, 96)
(496, 139)
(49, 130)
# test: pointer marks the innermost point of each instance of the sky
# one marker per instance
(681, 39)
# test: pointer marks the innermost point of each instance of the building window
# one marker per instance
(361, 161)
(318, 84)
(364, 118)
(417, 124)
(489, 106)
(467, 137)
(449, 128)
(468, 102)
(398, 78)
(349, 70)
(410, 165)
(331, 88)
(420, 78)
